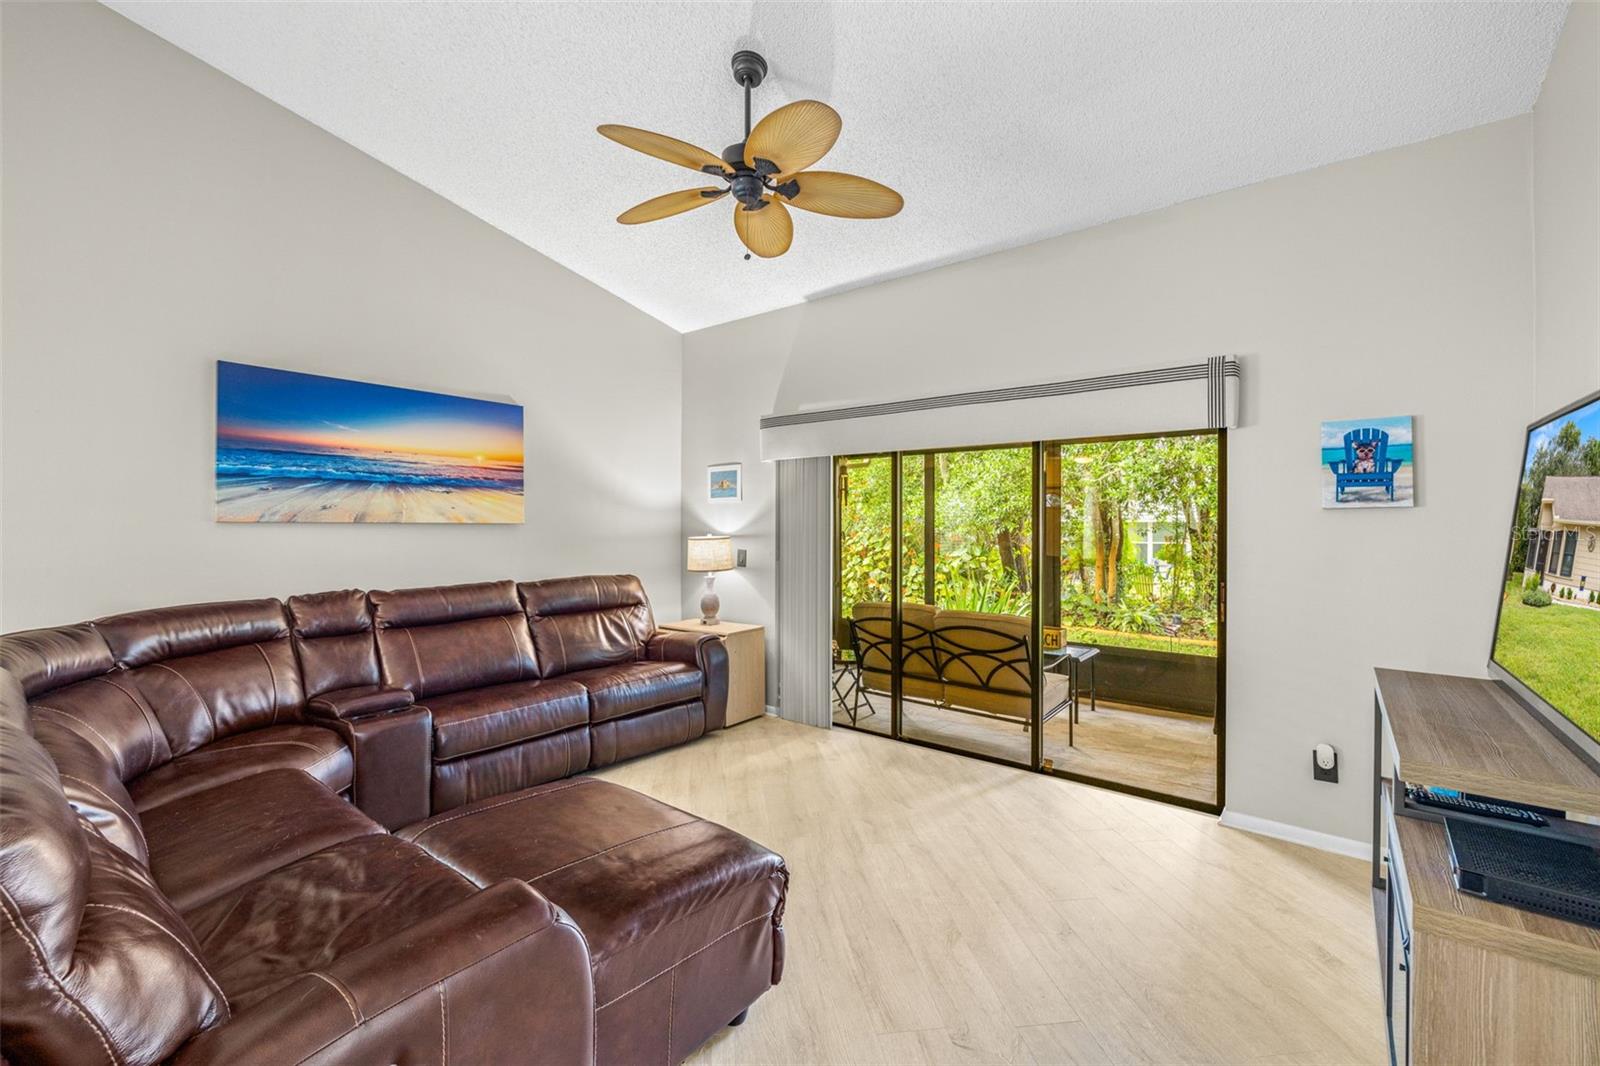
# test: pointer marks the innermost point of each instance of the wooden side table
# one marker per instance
(1467, 980)
(747, 664)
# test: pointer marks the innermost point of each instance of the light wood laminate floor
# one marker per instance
(945, 909)
(1174, 754)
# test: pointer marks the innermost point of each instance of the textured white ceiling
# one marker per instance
(1000, 123)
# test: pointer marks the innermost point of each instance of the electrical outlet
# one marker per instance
(1325, 763)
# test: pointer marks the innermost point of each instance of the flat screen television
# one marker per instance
(1547, 630)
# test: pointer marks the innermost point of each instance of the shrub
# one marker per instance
(1132, 614)
(1536, 598)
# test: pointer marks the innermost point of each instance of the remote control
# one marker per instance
(1427, 797)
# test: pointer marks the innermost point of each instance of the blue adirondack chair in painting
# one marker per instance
(1380, 475)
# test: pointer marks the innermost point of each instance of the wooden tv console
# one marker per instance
(1466, 980)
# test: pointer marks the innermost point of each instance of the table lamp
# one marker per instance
(707, 555)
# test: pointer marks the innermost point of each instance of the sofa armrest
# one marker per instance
(359, 702)
(678, 646)
(709, 653)
(482, 981)
(392, 754)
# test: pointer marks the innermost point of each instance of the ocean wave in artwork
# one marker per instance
(374, 469)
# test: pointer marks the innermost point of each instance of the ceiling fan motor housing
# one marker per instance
(749, 68)
(747, 188)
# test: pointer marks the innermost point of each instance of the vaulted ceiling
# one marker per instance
(1001, 124)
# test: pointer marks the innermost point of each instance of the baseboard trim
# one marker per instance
(1294, 834)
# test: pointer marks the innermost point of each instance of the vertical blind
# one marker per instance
(805, 590)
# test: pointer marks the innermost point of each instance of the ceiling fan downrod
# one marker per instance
(749, 70)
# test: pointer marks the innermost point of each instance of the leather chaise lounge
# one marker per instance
(346, 828)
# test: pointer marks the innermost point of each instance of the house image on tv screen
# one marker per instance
(1563, 548)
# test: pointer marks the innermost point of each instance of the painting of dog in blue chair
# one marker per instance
(1368, 462)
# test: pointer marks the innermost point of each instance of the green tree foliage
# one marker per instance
(1106, 486)
(984, 540)
(983, 551)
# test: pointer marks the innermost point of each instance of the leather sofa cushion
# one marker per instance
(314, 749)
(436, 605)
(439, 659)
(333, 638)
(111, 714)
(303, 916)
(484, 718)
(628, 688)
(639, 734)
(143, 637)
(97, 966)
(210, 843)
(46, 659)
(581, 622)
(91, 785)
(522, 765)
(203, 698)
(435, 641)
(329, 614)
(648, 884)
(362, 701)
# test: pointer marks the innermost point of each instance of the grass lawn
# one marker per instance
(1554, 651)
(1112, 638)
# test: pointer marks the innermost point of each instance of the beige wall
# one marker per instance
(157, 216)
(1566, 215)
(726, 388)
(1400, 283)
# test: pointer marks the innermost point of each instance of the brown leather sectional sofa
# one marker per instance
(346, 828)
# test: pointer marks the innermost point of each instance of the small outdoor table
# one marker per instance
(1076, 656)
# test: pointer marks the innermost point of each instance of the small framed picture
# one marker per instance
(1368, 462)
(725, 482)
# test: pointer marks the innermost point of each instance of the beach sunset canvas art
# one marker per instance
(304, 448)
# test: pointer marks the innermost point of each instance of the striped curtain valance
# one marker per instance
(1199, 395)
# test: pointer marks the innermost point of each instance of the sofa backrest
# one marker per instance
(333, 637)
(579, 622)
(433, 641)
(44, 659)
(984, 651)
(95, 964)
(95, 726)
(209, 670)
(873, 635)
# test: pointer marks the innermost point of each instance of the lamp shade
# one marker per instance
(709, 553)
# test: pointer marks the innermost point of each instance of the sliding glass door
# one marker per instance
(966, 621)
(1057, 606)
(863, 678)
(1135, 525)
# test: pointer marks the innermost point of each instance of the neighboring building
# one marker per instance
(1565, 548)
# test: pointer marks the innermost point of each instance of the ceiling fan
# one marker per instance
(766, 172)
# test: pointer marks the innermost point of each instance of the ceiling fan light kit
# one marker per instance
(766, 172)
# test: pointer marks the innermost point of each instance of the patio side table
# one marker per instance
(1076, 656)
